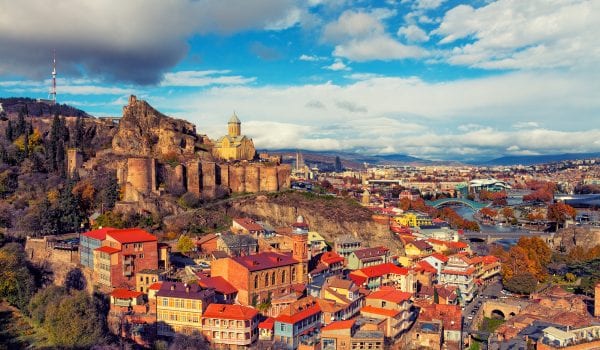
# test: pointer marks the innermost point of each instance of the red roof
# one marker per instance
(155, 286)
(267, 324)
(99, 234)
(393, 295)
(107, 249)
(425, 266)
(218, 283)
(379, 311)
(230, 312)
(331, 258)
(366, 253)
(299, 316)
(467, 272)
(440, 257)
(490, 259)
(383, 269)
(121, 293)
(339, 325)
(265, 260)
(248, 224)
(132, 235)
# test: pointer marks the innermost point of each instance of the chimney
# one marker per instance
(173, 287)
(187, 288)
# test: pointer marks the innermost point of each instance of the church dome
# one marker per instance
(300, 219)
(234, 119)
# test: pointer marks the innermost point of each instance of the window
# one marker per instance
(283, 276)
(141, 256)
(165, 302)
(273, 278)
(266, 279)
(256, 281)
(293, 274)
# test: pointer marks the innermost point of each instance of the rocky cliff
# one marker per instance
(144, 131)
(586, 237)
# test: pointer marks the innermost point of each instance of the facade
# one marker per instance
(388, 274)
(346, 244)
(179, 308)
(230, 325)
(88, 242)
(458, 273)
(248, 226)
(413, 219)
(346, 335)
(237, 245)
(234, 145)
(124, 253)
(368, 257)
(145, 278)
(261, 276)
(299, 323)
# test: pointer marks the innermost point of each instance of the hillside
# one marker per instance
(33, 108)
(539, 159)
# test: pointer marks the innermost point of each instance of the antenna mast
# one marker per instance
(53, 90)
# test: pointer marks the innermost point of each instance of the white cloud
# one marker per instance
(513, 34)
(337, 66)
(526, 125)
(413, 33)
(310, 58)
(427, 4)
(204, 78)
(473, 117)
(360, 36)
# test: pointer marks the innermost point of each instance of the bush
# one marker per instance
(523, 283)
(189, 200)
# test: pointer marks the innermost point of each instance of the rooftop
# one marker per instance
(120, 293)
(230, 312)
(265, 260)
(99, 234)
(371, 252)
(132, 235)
(184, 291)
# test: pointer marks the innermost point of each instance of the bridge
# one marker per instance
(462, 201)
(384, 182)
(493, 236)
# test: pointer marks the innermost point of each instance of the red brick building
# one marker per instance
(230, 325)
(123, 253)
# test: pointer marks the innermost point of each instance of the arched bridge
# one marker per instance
(463, 201)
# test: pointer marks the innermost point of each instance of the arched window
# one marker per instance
(256, 281)
(266, 279)
(293, 274)
(283, 276)
(273, 278)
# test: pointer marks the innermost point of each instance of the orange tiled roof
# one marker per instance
(107, 249)
(132, 235)
(379, 311)
(121, 293)
(339, 325)
(393, 295)
(230, 312)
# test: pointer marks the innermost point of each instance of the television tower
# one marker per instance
(52, 95)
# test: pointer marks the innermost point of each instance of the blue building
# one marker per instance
(90, 241)
(299, 323)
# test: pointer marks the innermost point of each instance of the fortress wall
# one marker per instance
(268, 179)
(223, 178)
(194, 174)
(284, 172)
(140, 174)
(252, 178)
(209, 179)
(237, 178)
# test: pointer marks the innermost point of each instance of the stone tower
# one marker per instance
(300, 248)
(597, 300)
(366, 197)
(74, 161)
(234, 126)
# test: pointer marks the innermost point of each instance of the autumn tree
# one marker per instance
(522, 283)
(488, 213)
(560, 212)
(185, 244)
(16, 282)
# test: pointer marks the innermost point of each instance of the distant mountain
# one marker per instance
(539, 159)
(35, 108)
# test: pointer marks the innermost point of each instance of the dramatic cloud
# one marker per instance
(204, 78)
(132, 41)
(514, 34)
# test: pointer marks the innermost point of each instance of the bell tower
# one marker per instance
(234, 126)
(300, 251)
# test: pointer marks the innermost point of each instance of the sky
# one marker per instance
(435, 79)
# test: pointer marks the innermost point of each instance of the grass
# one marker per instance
(491, 324)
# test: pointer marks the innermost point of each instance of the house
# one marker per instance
(265, 329)
(393, 307)
(237, 245)
(425, 274)
(300, 322)
(333, 263)
(418, 248)
(347, 335)
(445, 294)
(368, 257)
(208, 243)
(443, 246)
(124, 253)
(225, 293)
(265, 275)
(450, 319)
(346, 297)
(460, 274)
(388, 274)
(230, 325)
(88, 242)
(247, 226)
(179, 308)
(436, 260)
(131, 318)
(316, 243)
(346, 244)
(145, 278)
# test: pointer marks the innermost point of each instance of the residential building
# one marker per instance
(247, 226)
(207, 244)
(388, 274)
(458, 273)
(300, 322)
(265, 329)
(566, 338)
(225, 293)
(88, 242)
(145, 278)
(418, 248)
(179, 307)
(436, 260)
(231, 326)
(393, 308)
(368, 257)
(347, 335)
(237, 245)
(316, 243)
(131, 318)
(413, 219)
(346, 244)
(124, 253)
(345, 296)
(451, 322)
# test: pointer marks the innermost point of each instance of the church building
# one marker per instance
(234, 145)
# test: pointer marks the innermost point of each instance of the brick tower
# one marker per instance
(300, 249)
(597, 300)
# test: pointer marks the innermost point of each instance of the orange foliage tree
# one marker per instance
(560, 212)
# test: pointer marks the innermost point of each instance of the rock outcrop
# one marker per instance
(144, 131)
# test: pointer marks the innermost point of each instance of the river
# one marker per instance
(467, 213)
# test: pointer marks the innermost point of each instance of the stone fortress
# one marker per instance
(154, 154)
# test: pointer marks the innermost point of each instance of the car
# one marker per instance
(470, 318)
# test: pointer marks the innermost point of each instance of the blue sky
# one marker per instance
(437, 79)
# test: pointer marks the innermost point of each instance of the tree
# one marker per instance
(41, 300)
(185, 244)
(560, 212)
(75, 279)
(10, 132)
(16, 281)
(522, 283)
(569, 277)
(436, 296)
(79, 133)
(74, 321)
(195, 341)
(21, 125)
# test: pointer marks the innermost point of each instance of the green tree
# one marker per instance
(569, 277)
(79, 133)
(41, 300)
(185, 244)
(74, 321)
(522, 283)
(21, 124)
(436, 296)
(10, 132)
(16, 281)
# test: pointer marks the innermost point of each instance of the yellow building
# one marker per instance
(179, 308)
(411, 219)
(234, 145)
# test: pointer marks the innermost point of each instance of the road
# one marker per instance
(491, 291)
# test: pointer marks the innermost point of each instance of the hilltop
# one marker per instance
(34, 108)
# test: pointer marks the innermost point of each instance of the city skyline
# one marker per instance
(428, 78)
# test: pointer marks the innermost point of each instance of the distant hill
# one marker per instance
(539, 159)
(33, 108)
